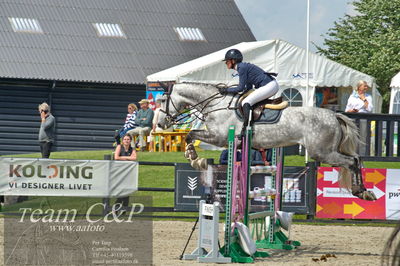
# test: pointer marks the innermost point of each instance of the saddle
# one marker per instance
(263, 107)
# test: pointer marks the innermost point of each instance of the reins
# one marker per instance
(187, 113)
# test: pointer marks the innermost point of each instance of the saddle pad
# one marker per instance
(268, 116)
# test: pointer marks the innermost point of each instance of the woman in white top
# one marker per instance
(360, 101)
(155, 127)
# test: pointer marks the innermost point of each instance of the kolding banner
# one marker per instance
(81, 178)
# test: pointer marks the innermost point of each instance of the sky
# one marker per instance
(287, 19)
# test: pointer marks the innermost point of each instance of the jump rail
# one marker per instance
(380, 133)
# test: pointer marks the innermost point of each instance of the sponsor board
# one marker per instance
(52, 177)
(336, 202)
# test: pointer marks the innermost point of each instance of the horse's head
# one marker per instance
(182, 96)
(171, 106)
(165, 118)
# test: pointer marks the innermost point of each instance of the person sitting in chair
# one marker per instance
(249, 75)
(255, 157)
(129, 123)
(144, 119)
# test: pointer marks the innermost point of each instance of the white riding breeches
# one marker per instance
(262, 93)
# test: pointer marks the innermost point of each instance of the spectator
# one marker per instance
(266, 156)
(124, 152)
(143, 120)
(155, 127)
(360, 101)
(223, 158)
(47, 130)
(129, 123)
(255, 157)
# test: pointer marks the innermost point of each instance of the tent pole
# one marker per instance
(307, 62)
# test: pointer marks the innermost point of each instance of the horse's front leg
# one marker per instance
(190, 151)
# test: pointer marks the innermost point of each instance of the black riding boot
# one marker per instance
(246, 113)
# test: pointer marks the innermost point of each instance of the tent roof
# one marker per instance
(178, 72)
(395, 81)
(286, 59)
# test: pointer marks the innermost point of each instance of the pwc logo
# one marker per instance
(394, 195)
(51, 171)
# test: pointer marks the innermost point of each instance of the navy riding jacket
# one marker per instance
(250, 75)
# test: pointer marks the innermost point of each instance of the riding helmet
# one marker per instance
(234, 54)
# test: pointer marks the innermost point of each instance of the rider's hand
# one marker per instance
(223, 90)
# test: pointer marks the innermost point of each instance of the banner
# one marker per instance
(154, 90)
(81, 178)
(191, 187)
(336, 202)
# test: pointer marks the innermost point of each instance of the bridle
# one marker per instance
(198, 113)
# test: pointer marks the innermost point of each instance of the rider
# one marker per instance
(249, 75)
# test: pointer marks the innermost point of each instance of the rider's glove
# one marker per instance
(223, 90)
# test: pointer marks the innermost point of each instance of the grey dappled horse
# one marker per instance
(329, 137)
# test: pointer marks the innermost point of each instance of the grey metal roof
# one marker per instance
(69, 49)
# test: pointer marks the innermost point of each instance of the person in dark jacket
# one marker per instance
(47, 130)
(255, 157)
(249, 76)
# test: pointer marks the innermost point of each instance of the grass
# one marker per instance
(149, 176)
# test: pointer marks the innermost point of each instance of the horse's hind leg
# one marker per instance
(351, 173)
(357, 187)
(339, 160)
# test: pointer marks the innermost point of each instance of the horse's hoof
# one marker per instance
(199, 164)
(239, 144)
(369, 195)
(366, 195)
(190, 152)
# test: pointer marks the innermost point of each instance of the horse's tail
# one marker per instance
(348, 145)
(350, 136)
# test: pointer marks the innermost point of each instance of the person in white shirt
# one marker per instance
(360, 101)
(155, 127)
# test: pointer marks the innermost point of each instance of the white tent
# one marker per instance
(286, 59)
(394, 107)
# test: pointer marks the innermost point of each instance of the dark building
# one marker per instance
(89, 59)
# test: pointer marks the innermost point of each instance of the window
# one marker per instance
(293, 96)
(25, 25)
(109, 30)
(396, 103)
(190, 34)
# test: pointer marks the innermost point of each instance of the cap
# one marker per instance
(144, 101)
